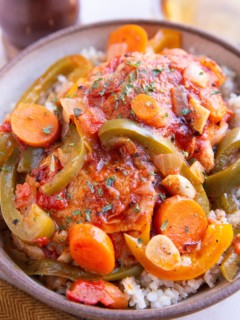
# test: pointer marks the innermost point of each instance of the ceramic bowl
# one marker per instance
(21, 72)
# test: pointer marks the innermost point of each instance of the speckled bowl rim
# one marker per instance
(38, 291)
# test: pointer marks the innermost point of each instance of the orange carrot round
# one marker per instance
(148, 110)
(135, 37)
(183, 221)
(91, 248)
(34, 124)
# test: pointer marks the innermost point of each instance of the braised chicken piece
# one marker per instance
(186, 88)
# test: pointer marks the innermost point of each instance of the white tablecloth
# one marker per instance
(99, 10)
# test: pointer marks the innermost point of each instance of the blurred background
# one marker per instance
(24, 21)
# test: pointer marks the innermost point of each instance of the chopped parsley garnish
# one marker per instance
(186, 230)
(185, 111)
(110, 181)
(107, 208)
(156, 71)
(100, 192)
(162, 196)
(215, 92)
(90, 186)
(134, 64)
(77, 112)
(132, 76)
(139, 240)
(58, 197)
(96, 83)
(150, 88)
(201, 73)
(77, 213)
(68, 219)
(101, 93)
(164, 225)
(47, 130)
(106, 85)
(88, 215)
(137, 208)
(116, 100)
(126, 90)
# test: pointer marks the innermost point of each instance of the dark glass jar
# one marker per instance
(25, 21)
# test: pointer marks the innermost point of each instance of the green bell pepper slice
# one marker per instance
(49, 267)
(219, 185)
(153, 143)
(223, 181)
(73, 145)
(64, 67)
(227, 202)
(229, 147)
(33, 225)
(7, 146)
(230, 267)
(29, 159)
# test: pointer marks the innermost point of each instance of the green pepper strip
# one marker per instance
(153, 144)
(7, 145)
(228, 147)
(30, 159)
(51, 267)
(65, 66)
(26, 227)
(74, 146)
(223, 181)
(230, 266)
(227, 202)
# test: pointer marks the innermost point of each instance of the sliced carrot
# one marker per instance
(91, 248)
(183, 221)
(34, 124)
(134, 35)
(148, 110)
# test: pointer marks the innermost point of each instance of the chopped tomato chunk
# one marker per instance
(93, 292)
(23, 192)
(57, 201)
